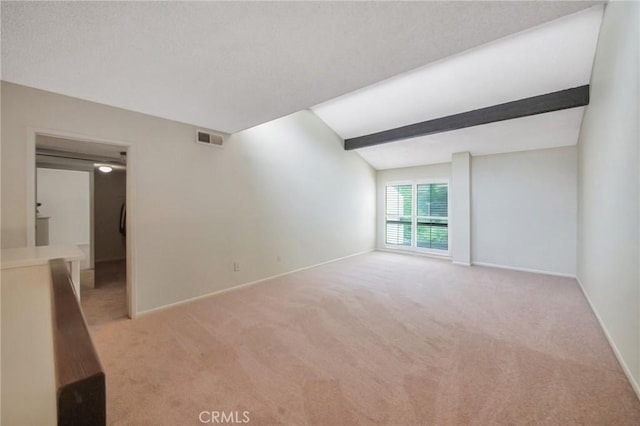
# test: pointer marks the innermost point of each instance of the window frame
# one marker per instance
(414, 217)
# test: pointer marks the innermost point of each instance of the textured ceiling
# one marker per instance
(228, 66)
(553, 56)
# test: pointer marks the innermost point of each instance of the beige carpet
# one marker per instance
(375, 339)
(106, 300)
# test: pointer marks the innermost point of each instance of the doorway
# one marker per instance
(64, 167)
(104, 298)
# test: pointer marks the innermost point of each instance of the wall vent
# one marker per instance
(208, 138)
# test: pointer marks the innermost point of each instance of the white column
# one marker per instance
(460, 220)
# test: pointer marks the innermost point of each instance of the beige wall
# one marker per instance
(109, 192)
(277, 197)
(28, 372)
(608, 195)
(523, 210)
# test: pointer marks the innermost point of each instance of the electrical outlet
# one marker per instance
(236, 267)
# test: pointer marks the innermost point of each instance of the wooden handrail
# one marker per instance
(80, 380)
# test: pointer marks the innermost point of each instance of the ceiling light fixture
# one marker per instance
(105, 169)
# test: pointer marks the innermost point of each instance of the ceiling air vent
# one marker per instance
(208, 138)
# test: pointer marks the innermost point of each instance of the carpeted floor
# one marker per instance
(379, 338)
(106, 300)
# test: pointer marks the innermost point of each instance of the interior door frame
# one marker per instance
(30, 168)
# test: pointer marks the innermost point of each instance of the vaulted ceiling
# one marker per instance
(228, 66)
(548, 58)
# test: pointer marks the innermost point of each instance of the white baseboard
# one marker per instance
(623, 364)
(247, 284)
(515, 268)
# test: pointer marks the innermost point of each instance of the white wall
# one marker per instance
(433, 171)
(277, 197)
(109, 192)
(66, 198)
(523, 210)
(608, 200)
(460, 215)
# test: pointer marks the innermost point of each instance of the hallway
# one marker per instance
(106, 302)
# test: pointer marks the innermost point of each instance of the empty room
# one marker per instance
(320, 213)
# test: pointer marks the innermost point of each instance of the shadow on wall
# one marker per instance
(109, 197)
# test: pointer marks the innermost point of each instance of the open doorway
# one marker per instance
(104, 299)
(81, 197)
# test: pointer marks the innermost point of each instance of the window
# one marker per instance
(417, 216)
(399, 202)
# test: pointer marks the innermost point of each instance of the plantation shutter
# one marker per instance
(398, 214)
